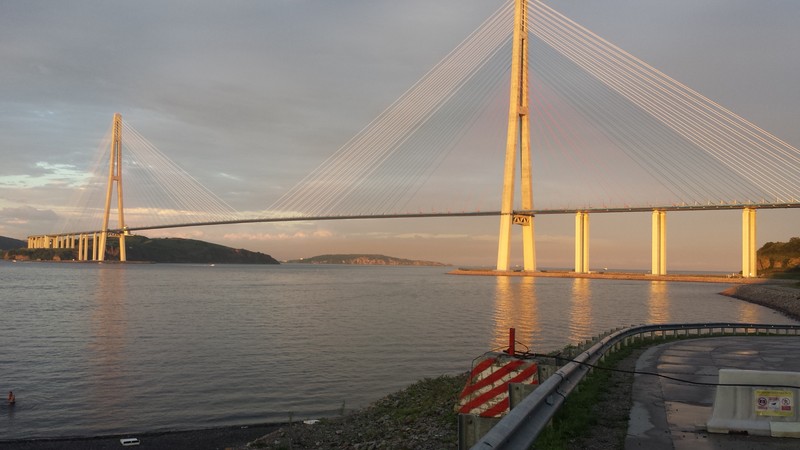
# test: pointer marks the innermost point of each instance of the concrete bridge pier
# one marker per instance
(749, 261)
(659, 243)
(81, 247)
(582, 242)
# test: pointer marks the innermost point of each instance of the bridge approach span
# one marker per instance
(86, 240)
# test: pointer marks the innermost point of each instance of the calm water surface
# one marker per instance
(97, 349)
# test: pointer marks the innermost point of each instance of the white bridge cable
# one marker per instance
(631, 128)
(340, 175)
(87, 203)
(615, 119)
(595, 51)
(753, 153)
(644, 98)
(548, 135)
(638, 135)
(415, 159)
(169, 192)
(595, 107)
(416, 97)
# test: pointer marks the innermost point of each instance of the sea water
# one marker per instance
(94, 349)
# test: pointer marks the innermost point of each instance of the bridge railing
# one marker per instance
(523, 424)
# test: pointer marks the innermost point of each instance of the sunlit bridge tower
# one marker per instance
(114, 174)
(518, 137)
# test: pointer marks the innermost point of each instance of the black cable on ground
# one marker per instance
(528, 355)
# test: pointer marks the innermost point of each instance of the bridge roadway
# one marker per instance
(68, 240)
(532, 212)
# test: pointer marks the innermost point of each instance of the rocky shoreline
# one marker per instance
(781, 297)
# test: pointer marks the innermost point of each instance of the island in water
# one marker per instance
(143, 249)
(363, 259)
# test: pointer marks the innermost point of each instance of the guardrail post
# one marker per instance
(472, 428)
(546, 371)
(518, 391)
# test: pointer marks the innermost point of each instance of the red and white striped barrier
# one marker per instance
(486, 392)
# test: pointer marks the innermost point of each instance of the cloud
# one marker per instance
(46, 174)
(431, 236)
(27, 214)
(25, 220)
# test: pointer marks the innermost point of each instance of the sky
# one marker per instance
(250, 96)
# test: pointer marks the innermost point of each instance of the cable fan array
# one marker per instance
(607, 130)
(381, 167)
(156, 190)
(692, 146)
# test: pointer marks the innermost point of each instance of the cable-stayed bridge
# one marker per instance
(581, 117)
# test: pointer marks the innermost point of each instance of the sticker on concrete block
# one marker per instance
(774, 403)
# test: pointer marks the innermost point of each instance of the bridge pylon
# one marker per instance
(114, 175)
(518, 137)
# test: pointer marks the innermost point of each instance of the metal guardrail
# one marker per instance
(523, 424)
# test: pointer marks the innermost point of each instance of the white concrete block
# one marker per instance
(785, 429)
(762, 405)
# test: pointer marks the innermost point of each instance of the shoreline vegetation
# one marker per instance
(141, 249)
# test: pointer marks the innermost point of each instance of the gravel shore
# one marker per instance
(781, 297)
(422, 416)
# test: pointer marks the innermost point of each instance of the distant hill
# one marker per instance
(163, 250)
(779, 257)
(175, 250)
(360, 259)
(7, 243)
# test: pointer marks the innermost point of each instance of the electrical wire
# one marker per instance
(530, 355)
